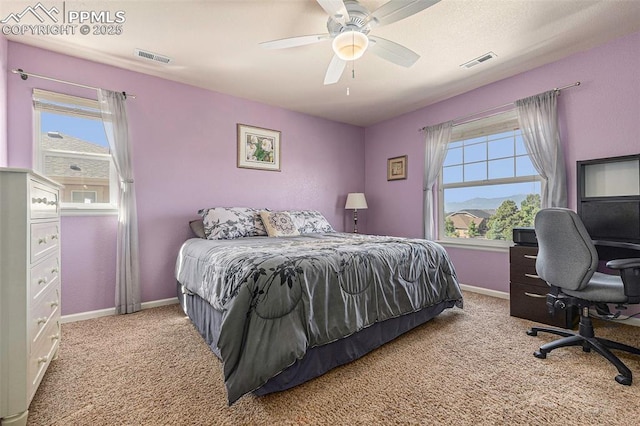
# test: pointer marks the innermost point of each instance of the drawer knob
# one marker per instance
(55, 336)
(42, 281)
(42, 360)
(42, 240)
(41, 320)
(532, 276)
(54, 270)
(54, 303)
(54, 236)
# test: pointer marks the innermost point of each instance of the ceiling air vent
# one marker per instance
(479, 60)
(150, 56)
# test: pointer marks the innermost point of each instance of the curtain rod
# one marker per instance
(460, 120)
(24, 75)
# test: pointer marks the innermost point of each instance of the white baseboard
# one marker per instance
(485, 291)
(112, 311)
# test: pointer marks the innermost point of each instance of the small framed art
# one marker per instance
(397, 168)
(258, 148)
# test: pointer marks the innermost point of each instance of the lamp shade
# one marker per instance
(350, 45)
(356, 201)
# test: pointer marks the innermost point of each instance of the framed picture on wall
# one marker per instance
(258, 148)
(397, 168)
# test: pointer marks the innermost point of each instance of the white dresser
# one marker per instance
(29, 287)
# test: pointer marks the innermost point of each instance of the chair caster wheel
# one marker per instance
(532, 332)
(541, 355)
(623, 380)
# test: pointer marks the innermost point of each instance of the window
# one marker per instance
(71, 148)
(488, 184)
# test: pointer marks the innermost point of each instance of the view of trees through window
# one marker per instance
(488, 184)
(498, 225)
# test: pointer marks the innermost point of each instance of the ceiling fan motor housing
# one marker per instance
(358, 16)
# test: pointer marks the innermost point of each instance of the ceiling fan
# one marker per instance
(349, 25)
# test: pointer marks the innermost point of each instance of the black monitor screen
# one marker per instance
(612, 220)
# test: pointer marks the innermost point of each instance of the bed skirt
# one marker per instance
(320, 359)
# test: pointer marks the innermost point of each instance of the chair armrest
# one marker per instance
(630, 274)
(624, 263)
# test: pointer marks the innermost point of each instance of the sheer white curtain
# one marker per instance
(114, 117)
(538, 119)
(436, 139)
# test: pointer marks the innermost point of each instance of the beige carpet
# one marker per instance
(471, 366)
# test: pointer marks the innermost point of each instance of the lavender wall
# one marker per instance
(185, 154)
(184, 148)
(600, 118)
(4, 47)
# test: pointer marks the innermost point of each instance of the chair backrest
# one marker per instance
(567, 257)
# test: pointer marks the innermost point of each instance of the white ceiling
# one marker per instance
(214, 45)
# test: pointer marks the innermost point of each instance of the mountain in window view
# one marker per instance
(483, 203)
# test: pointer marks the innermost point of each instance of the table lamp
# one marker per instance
(355, 201)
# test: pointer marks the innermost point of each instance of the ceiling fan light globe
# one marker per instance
(350, 45)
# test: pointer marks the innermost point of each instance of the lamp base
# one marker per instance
(355, 221)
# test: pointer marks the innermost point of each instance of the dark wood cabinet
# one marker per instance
(528, 293)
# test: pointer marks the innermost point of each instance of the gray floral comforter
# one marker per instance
(281, 296)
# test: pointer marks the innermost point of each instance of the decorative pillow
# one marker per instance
(197, 226)
(310, 221)
(279, 224)
(223, 223)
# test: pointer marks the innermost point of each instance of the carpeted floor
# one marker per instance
(471, 366)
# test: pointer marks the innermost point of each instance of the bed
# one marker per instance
(279, 311)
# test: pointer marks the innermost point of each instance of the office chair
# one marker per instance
(567, 260)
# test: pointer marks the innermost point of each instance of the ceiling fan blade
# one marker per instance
(336, 9)
(395, 10)
(285, 43)
(393, 52)
(334, 72)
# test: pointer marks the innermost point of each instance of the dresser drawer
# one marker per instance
(41, 355)
(43, 275)
(44, 201)
(45, 238)
(44, 310)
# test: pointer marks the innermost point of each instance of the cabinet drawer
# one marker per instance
(530, 302)
(527, 275)
(44, 201)
(522, 256)
(45, 238)
(41, 355)
(43, 275)
(45, 310)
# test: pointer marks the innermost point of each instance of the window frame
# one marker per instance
(70, 208)
(486, 126)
